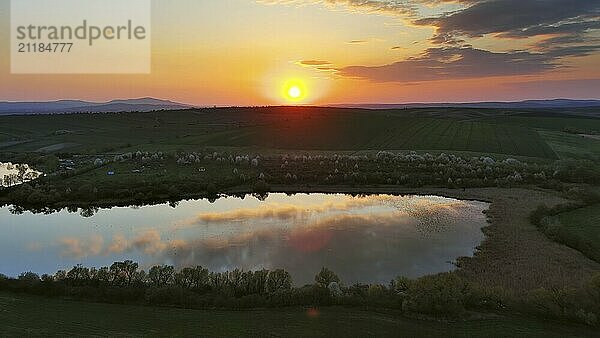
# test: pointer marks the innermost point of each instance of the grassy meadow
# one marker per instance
(580, 229)
(33, 316)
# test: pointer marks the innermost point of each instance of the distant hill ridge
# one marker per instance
(554, 103)
(79, 106)
(150, 104)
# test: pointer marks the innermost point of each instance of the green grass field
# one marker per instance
(580, 229)
(309, 129)
(549, 121)
(34, 316)
(572, 146)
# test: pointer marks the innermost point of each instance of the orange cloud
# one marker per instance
(78, 248)
(426, 214)
(118, 244)
(150, 242)
(408, 205)
(314, 63)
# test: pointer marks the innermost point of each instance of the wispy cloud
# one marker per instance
(314, 62)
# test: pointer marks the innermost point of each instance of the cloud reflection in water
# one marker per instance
(363, 239)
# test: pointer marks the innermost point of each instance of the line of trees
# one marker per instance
(160, 183)
(126, 274)
(445, 294)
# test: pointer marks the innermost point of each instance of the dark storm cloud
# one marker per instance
(516, 18)
(561, 52)
(564, 29)
(454, 63)
(509, 18)
(564, 26)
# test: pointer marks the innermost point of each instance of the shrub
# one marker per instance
(444, 294)
(170, 296)
(587, 318)
(279, 280)
(400, 285)
(326, 277)
(29, 278)
(312, 295)
(211, 189)
(3, 282)
(377, 291)
(261, 187)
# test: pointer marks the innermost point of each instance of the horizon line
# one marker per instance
(208, 105)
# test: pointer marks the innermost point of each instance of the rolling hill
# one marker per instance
(78, 106)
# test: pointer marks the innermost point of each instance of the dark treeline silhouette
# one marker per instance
(445, 294)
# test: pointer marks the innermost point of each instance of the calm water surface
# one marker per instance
(363, 239)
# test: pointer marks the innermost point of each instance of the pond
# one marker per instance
(363, 239)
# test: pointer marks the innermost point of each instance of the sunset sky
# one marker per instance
(243, 52)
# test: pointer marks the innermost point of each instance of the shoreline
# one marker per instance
(514, 255)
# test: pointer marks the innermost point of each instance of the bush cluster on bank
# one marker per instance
(444, 295)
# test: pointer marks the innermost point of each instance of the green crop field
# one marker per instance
(33, 316)
(556, 122)
(310, 129)
(572, 146)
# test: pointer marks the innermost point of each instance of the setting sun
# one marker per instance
(294, 90)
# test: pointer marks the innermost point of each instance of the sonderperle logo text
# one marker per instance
(80, 36)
